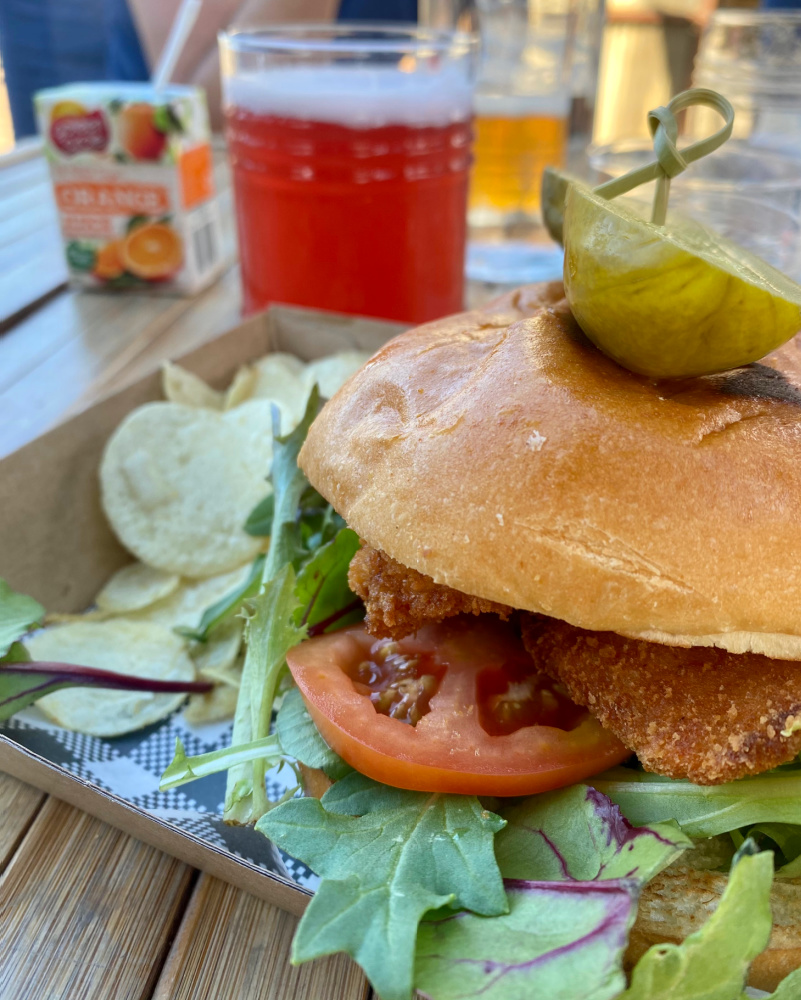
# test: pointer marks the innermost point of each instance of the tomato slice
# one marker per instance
(470, 712)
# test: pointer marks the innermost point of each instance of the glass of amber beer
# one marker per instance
(350, 151)
(522, 106)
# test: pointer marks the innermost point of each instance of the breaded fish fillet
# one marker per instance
(399, 600)
(699, 713)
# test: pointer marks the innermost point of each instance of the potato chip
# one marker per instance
(215, 659)
(332, 372)
(254, 420)
(177, 485)
(62, 617)
(185, 606)
(134, 587)
(184, 387)
(279, 377)
(217, 705)
(241, 388)
(140, 649)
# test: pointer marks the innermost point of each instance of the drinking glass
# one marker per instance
(754, 58)
(522, 107)
(350, 152)
(750, 196)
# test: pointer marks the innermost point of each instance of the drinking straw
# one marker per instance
(179, 32)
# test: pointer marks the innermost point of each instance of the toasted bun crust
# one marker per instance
(501, 454)
(680, 900)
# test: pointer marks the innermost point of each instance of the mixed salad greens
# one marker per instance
(444, 893)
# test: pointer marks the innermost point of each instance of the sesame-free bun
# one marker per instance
(500, 453)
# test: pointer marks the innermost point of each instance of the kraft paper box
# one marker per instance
(55, 544)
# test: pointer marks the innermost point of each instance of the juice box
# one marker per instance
(133, 182)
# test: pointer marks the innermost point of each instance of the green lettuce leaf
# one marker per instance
(713, 963)
(231, 604)
(184, 769)
(18, 615)
(578, 834)
(572, 867)
(270, 632)
(288, 609)
(788, 989)
(289, 485)
(322, 587)
(560, 940)
(704, 810)
(300, 739)
(386, 856)
(260, 520)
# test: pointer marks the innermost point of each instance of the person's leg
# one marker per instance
(124, 56)
(378, 10)
(44, 43)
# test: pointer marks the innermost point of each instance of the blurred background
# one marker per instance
(647, 49)
(565, 83)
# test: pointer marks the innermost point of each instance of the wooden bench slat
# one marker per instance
(231, 944)
(86, 911)
(19, 804)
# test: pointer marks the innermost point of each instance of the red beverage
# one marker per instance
(358, 220)
(350, 150)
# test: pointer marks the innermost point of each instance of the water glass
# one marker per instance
(750, 196)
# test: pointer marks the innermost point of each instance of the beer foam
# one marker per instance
(355, 96)
(556, 105)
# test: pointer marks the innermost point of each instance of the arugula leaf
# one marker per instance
(704, 810)
(227, 606)
(572, 867)
(269, 634)
(23, 682)
(713, 963)
(18, 615)
(560, 940)
(386, 856)
(183, 769)
(300, 739)
(578, 834)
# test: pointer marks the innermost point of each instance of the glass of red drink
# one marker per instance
(350, 150)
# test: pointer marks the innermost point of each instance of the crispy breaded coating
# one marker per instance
(700, 713)
(399, 600)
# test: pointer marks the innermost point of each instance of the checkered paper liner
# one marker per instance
(130, 767)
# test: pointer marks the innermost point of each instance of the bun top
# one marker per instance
(502, 454)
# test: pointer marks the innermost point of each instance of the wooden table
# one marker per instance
(88, 913)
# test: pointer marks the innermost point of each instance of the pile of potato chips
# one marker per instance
(178, 480)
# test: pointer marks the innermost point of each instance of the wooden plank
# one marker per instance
(231, 944)
(50, 360)
(31, 256)
(217, 310)
(19, 804)
(86, 911)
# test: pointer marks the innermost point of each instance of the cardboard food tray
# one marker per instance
(56, 545)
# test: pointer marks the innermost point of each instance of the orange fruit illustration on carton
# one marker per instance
(138, 134)
(108, 262)
(152, 251)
